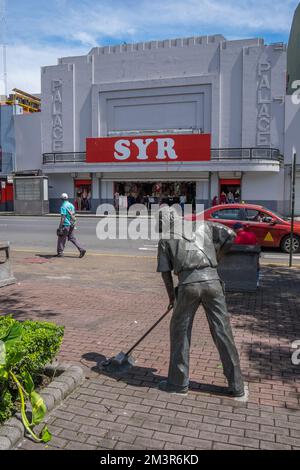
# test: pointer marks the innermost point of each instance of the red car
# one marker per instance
(271, 229)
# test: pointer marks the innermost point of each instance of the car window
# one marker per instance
(254, 215)
(228, 214)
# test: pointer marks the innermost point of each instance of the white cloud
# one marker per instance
(85, 38)
(24, 64)
(61, 28)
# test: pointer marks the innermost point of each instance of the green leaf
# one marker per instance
(39, 408)
(5, 334)
(3, 373)
(28, 382)
(13, 333)
(45, 434)
(2, 353)
(13, 356)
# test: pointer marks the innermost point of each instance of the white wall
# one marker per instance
(263, 187)
(59, 184)
(28, 141)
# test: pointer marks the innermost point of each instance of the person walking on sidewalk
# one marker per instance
(194, 259)
(66, 227)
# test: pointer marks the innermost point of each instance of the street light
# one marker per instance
(293, 182)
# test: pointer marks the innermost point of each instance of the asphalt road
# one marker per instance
(38, 234)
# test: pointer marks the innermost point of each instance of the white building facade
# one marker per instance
(233, 91)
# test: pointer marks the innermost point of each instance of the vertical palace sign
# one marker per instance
(263, 130)
(57, 120)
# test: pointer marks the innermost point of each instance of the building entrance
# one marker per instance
(149, 193)
(83, 195)
(230, 191)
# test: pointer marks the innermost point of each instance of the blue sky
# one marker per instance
(40, 31)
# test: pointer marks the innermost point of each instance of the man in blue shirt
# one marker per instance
(66, 227)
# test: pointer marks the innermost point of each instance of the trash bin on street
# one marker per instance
(239, 268)
(6, 274)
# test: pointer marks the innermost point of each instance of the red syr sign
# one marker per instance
(158, 148)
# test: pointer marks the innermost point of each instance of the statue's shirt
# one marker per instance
(194, 258)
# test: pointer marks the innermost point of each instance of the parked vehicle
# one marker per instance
(270, 228)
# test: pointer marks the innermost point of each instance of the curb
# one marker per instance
(81, 216)
(12, 431)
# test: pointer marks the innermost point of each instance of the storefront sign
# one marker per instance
(166, 148)
(57, 123)
(264, 105)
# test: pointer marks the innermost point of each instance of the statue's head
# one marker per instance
(169, 220)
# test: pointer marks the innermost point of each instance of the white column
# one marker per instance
(95, 186)
(214, 185)
(202, 190)
(107, 190)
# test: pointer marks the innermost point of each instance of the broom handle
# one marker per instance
(147, 332)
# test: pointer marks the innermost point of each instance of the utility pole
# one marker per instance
(3, 43)
(293, 183)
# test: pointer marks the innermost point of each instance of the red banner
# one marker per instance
(158, 148)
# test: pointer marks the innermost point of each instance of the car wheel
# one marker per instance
(286, 244)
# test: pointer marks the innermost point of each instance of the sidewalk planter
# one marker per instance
(67, 378)
(25, 350)
(6, 274)
(239, 268)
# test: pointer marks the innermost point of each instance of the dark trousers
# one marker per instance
(190, 296)
(68, 234)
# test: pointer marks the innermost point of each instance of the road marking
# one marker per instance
(280, 256)
(264, 259)
(59, 277)
(147, 249)
(90, 253)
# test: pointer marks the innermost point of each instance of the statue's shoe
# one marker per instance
(164, 386)
(236, 393)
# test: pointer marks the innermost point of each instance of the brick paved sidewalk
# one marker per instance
(106, 303)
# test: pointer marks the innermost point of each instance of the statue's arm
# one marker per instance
(168, 281)
(223, 239)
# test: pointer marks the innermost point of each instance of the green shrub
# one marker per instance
(28, 347)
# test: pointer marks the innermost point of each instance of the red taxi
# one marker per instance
(270, 228)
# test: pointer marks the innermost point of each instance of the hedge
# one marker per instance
(25, 349)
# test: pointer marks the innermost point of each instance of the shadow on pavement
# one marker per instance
(55, 256)
(146, 376)
(13, 304)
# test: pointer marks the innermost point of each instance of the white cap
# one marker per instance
(64, 196)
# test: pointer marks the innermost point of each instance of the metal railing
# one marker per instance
(6, 163)
(64, 157)
(246, 154)
(251, 153)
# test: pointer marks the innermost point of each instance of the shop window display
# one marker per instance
(149, 193)
(229, 194)
(83, 195)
